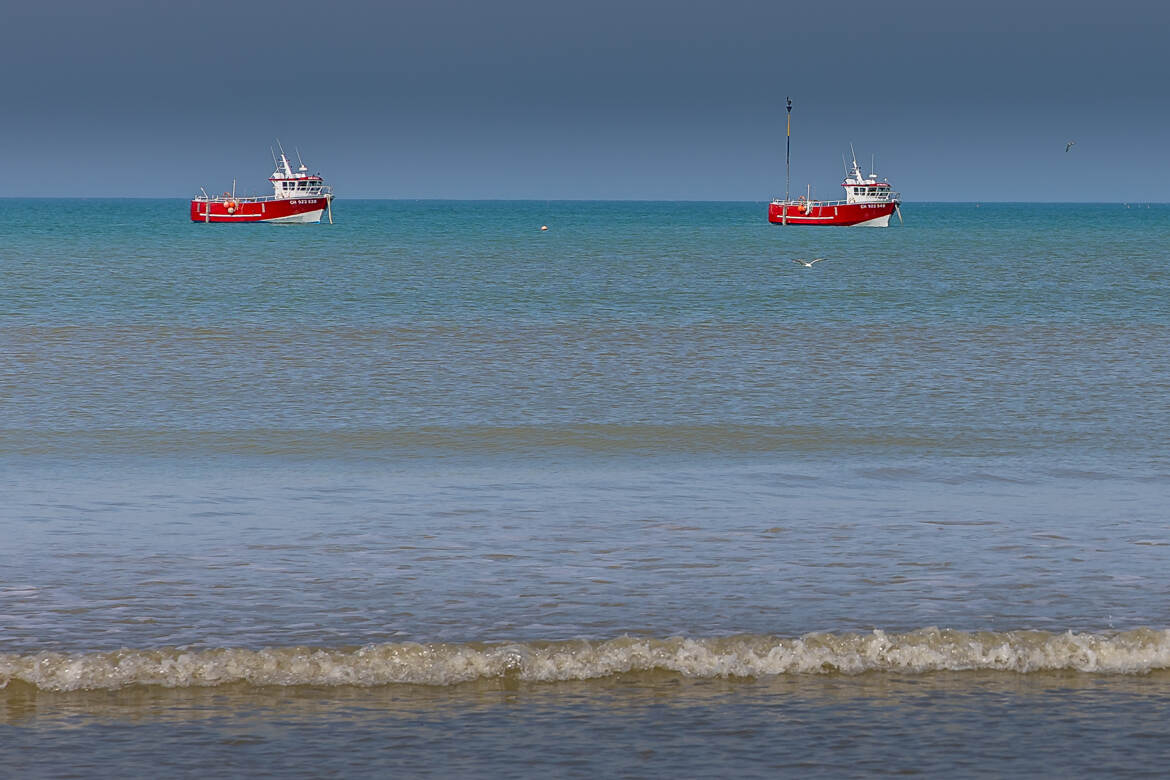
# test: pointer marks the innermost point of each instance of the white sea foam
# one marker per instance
(926, 650)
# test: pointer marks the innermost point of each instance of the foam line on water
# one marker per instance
(922, 651)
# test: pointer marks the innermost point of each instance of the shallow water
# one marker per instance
(969, 724)
(633, 479)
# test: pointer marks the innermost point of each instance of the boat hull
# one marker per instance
(278, 210)
(845, 214)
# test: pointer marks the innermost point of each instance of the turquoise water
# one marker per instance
(435, 491)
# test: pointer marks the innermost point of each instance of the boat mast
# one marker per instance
(787, 163)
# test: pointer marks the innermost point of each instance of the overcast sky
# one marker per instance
(601, 99)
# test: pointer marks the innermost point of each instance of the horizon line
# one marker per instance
(590, 200)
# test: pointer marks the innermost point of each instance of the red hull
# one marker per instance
(838, 214)
(260, 210)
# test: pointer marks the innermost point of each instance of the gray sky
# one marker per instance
(545, 100)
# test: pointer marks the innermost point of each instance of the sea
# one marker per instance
(433, 492)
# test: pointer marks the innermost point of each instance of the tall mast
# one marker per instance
(787, 163)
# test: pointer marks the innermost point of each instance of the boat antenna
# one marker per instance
(299, 160)
(872, 169)
(280, 145)
(845, 165)
(273, 153)
(787, 162)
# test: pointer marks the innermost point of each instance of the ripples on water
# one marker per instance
(235, 457)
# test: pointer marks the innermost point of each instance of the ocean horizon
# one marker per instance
(406, 199)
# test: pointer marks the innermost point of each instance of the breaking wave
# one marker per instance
(926, 650)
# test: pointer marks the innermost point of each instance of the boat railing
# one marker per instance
(324, 191)
(890, 198)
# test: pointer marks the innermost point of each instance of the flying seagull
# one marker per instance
(1069, 145)
(809, 264)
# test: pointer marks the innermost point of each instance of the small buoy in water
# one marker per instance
(544, 227)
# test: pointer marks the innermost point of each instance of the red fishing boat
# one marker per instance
(867, 202)
(297, 196)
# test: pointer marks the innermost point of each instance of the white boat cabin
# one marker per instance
(860, 188)
(287, 183)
